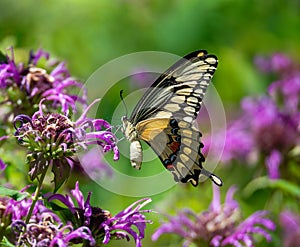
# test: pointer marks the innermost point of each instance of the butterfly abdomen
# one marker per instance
(136, 154)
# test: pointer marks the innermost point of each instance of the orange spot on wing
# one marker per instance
(174, 146)
(170, 167)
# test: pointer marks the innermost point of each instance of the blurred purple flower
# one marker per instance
(102, 224)
(277, 63)
(2, 166)
(236, 135)
(221, 225)
(143, 77)
(96, 168)
(273, 162)
(271, 128)
(261, 130)
(290, 223)
(53, 139)
(24, 85)
(35, 57)
(287, 87)
(268, 129)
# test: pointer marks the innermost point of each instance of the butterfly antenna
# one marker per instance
(121, 96)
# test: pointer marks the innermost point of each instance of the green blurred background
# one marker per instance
(87, 34)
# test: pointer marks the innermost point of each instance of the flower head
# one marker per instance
(53, 139)
(268, 128)
(238, 142)
(221, 225)
(24, 85)
(104, 226)
(271, 128)
(48, 230)
(278, 62)
(13, 210)
(285, 91)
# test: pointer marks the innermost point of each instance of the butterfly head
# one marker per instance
(131, 135)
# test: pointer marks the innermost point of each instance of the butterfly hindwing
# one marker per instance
(179, 148)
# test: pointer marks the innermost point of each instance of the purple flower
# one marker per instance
(261, 130)
(122, 225)
(53, 140)
(5, 213)
(9, 71)
(238, 142)
(94, 167)
(44, 227)
(271, 128)
(13, 211)
(286, 89)
(83, 207)
(49, 232)
(18, 209)
(290, 223)
(2, 165)
(277, 63)
(221, 225)
(268, 129)
(273, 162)
(142, 76)
(104, 226)
(24, 85)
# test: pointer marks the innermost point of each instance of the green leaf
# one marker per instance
(63, 212)
(265, 183)
(3, 58)
(61, 170)
(37, 165)
(286, 186)
(14, 194)
(6, 243)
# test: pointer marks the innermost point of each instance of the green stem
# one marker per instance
(34, 200)
(36, 194)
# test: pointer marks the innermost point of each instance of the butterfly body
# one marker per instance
(164, 118)
(136, 154)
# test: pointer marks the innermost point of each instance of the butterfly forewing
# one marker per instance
(189, 76)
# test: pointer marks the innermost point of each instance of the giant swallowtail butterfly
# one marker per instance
(165, 114)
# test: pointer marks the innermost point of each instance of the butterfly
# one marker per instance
(165, 114)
